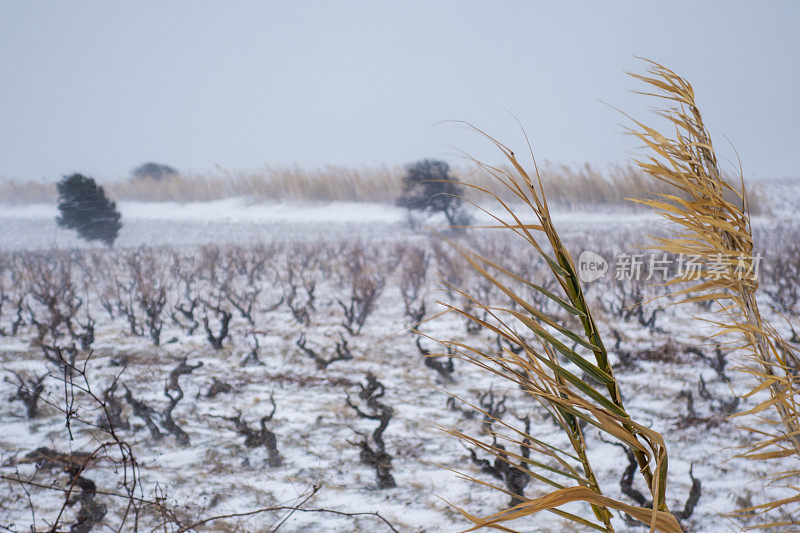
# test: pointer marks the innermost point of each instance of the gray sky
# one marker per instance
(100, 87)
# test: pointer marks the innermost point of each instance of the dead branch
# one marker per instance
(341, 352)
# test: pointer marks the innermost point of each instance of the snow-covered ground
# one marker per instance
(316, 431)
(238, 221)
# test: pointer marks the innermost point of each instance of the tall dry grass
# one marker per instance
(713, 221)
(577, 385)
(324, 184)
(15, 191)
(568, 187)
(560, 362)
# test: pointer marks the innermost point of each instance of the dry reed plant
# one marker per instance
(326, 184)
(567, 187)
(576, 386)
(21, 191)
(715, 228)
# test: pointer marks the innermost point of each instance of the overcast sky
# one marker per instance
(100, 87)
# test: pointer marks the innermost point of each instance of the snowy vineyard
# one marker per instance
(283, 385)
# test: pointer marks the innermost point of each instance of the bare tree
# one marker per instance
(626, 485)
(782, 274)
(174, 392)
(493, 407)
(149, 287)
(515, 476)
(252, 355)
(224, 317)
(29, 391)
(629, 301)
(413, 276)
(260, 437)
(443, 366)
(341, 352)
(146, 413)
(301, 307)
(375, 454)
(187, 297)
(365, 285)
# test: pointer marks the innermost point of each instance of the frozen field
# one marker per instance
(271, 284)
(235, 221)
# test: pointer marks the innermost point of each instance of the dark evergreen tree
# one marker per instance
(155, 171)
(429, 187)
(83, 206)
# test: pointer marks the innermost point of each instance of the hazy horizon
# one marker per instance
(100, 88)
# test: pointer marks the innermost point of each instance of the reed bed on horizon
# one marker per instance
(568, 187)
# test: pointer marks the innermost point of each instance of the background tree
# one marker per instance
(83, 206)
(429, 187)
(155, 171)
